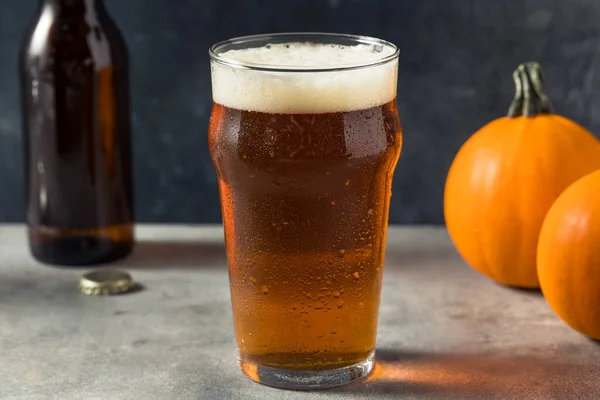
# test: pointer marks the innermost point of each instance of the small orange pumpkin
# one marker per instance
(569, 256)
(505, 178)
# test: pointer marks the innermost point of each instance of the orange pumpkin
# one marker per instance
(505, 178)
(569, 256)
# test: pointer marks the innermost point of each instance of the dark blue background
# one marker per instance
(456, 61)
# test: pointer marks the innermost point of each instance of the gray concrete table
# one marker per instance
(445, 332)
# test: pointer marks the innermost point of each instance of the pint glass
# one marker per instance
(305, 135)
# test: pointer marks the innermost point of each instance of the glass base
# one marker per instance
(306, 380)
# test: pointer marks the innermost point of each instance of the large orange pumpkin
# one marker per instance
(505, 178)
(569, 256)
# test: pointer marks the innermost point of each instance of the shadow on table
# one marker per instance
(480, 376)
(176, 255)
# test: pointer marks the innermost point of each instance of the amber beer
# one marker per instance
(305, 168)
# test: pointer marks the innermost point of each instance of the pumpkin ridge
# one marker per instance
(522, 130)
(488, 252)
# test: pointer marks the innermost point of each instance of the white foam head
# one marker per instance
(301, 91)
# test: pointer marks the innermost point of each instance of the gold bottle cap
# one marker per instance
(105, 282)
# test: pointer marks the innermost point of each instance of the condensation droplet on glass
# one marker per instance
(253, 279)
(342, 253)
(332, 203)
(336, 294)
(340, 304)
(264, 289)
(356, 275)
(334, 332)
(370, 212)
(348, 182)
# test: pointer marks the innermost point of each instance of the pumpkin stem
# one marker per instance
(530, 99)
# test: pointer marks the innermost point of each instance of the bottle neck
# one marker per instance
(72, 4)
(75, 8)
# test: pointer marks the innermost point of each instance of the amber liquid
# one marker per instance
(75, 92)
(305, 202)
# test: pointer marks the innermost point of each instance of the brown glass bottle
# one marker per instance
(77, 135)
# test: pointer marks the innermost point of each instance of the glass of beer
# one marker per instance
(305, 136)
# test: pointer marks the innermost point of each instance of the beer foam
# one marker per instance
(300, 91)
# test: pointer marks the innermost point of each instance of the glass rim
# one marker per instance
(219, 47)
